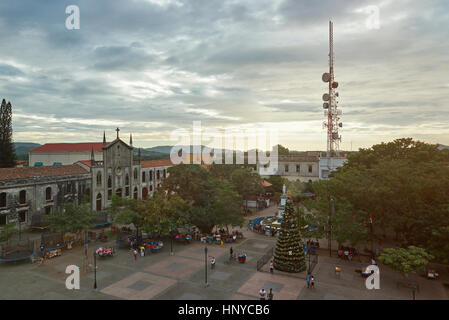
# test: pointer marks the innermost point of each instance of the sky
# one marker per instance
(151, 67)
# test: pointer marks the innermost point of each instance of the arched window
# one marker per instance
(143, 176)
(151, 175)
(144, 193)
(99, 198)
(135, 193)
(87, 194)
(109, 182)
(126, 180)
(99, 179)
(48, 194)
(127, 191)
(151, 188)
(164, 173)
(22, 197)
(135, 174)
(118, 192)
(158, 175)
(2, 199)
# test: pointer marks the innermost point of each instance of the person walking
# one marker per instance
(135, 254)
(221, 243)
(271, 266)
(212, 263)
(231, 254)
(262, 294)
(270, 295)
(308, 280)
(312, 282)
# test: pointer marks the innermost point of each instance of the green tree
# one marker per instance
(246, 183)
(7, 231)
(289, 254)
(7, 152)
(406, 261)
(219, 206)
(72, 218)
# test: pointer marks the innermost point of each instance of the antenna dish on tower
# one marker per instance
(326, 97)
(326, 77)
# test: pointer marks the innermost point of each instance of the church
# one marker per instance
(30, 192)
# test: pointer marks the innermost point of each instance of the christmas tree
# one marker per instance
(289, 253)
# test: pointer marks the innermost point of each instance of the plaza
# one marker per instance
(181, 276)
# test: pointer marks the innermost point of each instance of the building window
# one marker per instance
(127, 191)
(22, 216)
(3, 200)
(118, 192)
(310, 168)
(99, 198)
(135, 174)
(298, 168)
(286, 168)
(109, 188)
(48, 210)
(99, 179)
(48, 194)
(144, 193)
(69, 187)
(109, 194)
(22, 197)
(151, 175)
(135, 193)
(151, 188)
(126, 180)
(158, 175)
(143, 176)
(164, 174)
(2, 219)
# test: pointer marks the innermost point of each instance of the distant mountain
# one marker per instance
(442, 147)
(22, 149)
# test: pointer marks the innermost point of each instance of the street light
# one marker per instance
(205, 266)
(95, 270)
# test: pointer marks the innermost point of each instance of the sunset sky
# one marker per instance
(153, 66)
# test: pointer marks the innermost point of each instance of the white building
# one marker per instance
(329, 164)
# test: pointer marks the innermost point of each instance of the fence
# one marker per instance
(265, 258)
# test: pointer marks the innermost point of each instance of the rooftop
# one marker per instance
(70, 147)
(156, 163)
(30, 172)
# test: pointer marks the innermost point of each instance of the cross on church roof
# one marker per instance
(117, 131)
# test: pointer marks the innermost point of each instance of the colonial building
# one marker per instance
(52, 154)
(297, 167)
(34, 191)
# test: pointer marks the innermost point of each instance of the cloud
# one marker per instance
(151, 66)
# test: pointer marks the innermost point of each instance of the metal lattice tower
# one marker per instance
(330, 103)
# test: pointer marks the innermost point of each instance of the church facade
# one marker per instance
(36, 191)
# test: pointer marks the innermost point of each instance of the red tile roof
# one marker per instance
(156, 163)
(30, 172)
(265, 183)
(70, 147)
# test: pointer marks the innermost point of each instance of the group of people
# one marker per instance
(346, 253)
(310, 280)
(144, 249)
(264, 296)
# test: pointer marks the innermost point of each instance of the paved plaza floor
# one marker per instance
(182, 276)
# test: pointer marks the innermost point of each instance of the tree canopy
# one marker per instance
(403, 185)
(7, 151)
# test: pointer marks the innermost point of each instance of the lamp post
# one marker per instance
(205, 266)
(95, 270)
(332, 212)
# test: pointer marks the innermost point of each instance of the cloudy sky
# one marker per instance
(153, 66)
